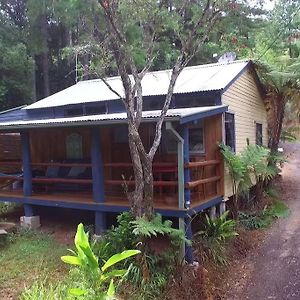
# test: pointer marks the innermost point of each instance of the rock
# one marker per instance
(8, 226)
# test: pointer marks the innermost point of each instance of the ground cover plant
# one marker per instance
(28, 257)
(260, 219)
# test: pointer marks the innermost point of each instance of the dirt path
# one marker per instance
(273, 271)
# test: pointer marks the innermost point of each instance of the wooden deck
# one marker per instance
(84, 200)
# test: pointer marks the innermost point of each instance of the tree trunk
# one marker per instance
(148, 188)
(45, 58)
(33, 80)
(136, 197)
(275, 125)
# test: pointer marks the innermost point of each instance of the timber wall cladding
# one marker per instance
(10, 146)
(245, 101)
(50, 144)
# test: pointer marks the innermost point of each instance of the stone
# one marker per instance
(30, 222)
(8, 226)
(3, 232)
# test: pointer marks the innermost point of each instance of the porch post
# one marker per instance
(187, 195)
(98, 178)
(26, 159)
(186, 157)
(28, 210)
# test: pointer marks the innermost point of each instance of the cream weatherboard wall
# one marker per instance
(245, 101)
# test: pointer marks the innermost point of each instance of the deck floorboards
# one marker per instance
(87, 198)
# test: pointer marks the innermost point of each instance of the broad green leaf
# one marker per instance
(77, 292)
(119, 257)
(71, 260)
(114, 273)
(111, 289)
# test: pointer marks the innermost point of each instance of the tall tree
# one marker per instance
(132, 44)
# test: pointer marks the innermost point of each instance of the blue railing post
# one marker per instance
(186, 157)
(26, 159)
(187, 193)
(98, 178)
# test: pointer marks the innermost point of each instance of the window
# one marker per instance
(230, 131)
(73, 112)
(259, 135)
(95, 110)
(74, 146)
(196, 138)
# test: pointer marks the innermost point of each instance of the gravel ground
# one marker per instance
(273, 271)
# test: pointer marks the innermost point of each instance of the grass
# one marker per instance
(26, 257)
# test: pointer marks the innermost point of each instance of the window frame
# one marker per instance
(259, 129)
(233, 149)
(199, 124)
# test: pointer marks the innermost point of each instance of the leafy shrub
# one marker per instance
(215, 235)
(264, 218)
(253, 221)
(88, 263)
(150, 271)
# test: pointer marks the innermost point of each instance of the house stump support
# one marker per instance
(222, 208)
(189, 257)
(213, 212)
(187, 194)
(98, 178)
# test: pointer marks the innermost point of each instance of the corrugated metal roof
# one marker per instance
(172, 115)
(192, 79)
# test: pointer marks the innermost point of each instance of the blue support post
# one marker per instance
(100, 222)
(189, 257)
(28, 210)
(98, 178)
(186, 157)
(26, 158)
(187, 194)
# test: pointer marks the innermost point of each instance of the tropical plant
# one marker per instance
(263, 219)
(258, 158)
(238, 172)
(219, 228)
(147, 229)
(281, 85)
(88, 262)
(215, 234)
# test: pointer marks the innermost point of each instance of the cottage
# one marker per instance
(75, 150)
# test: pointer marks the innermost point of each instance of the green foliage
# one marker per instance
(149, 272)
(144, 228)
(219, 228)
(45, 290)
(214, 236)
(255, 165)
(263, 219)
(254, 220)
(278, 209)
(88, 262)
(289, 134)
